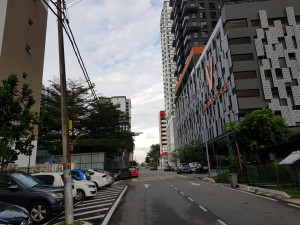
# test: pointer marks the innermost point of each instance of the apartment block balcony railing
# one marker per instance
(186, 40)
(185, 20)
(191, 26)
(189, 7)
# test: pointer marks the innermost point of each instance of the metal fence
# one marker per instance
(273, 175)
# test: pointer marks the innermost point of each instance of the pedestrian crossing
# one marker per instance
(95, 209)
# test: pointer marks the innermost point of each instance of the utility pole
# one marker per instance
(64, 122)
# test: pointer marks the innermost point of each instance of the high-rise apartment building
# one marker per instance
(169, 80)
(124, 105)
(22, 45)
(163, 138)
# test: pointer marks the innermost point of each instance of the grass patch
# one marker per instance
(293, 192)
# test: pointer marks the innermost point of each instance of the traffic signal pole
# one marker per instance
(65, 123)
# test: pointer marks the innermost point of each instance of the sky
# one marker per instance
(119, 41)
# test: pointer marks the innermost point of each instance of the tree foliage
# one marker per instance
(153, 154)
(191, 153)
(96, 125)
(17, 121)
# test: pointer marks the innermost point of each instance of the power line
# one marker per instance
(74, 46)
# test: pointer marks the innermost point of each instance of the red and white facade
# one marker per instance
(163, 138)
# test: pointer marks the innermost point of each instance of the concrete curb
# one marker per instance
(265, 191)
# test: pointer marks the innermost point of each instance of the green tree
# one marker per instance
(191, 153)
(147, 159)
(154, 153)
(17, 121)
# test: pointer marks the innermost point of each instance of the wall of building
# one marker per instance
(251, 61)
(3, 5)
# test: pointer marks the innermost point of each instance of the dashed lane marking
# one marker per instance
(204, 209)
(190, 199)
(221, 222)
(182, 193)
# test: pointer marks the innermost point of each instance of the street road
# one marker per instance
(167, 198)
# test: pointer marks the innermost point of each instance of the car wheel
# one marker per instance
(39, 212)
(117, 178)
(79, 195)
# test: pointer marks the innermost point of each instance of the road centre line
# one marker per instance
(176, 189)
(182, 193)
(204, 209)
(250, 193)
(297, 206)
(221, 222)
(94, 206)
(112, 209)
(171, 185)
(190, 199)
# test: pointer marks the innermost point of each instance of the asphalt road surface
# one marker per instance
(167, 198)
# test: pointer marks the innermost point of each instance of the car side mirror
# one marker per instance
(13, 187)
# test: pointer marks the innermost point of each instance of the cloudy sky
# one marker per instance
(119, 41)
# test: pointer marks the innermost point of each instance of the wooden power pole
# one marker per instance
(65, 122)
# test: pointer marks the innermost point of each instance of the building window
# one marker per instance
(25, 76)
(238, 41)
(245, 75)
(195, 35)
(242, 57)
(28, 49)
(231, 24)
(213, 14)
(30, 22)
(203, 24)
(247, 93)
(213, 23)
(202, 15)
(212, 5)
(201, 5)
(204, 34)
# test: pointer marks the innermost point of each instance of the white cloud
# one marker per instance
(119, 42)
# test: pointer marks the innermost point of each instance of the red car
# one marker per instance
(134, 172)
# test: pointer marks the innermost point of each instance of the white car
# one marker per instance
(54, 179)
(84, 188)
(100, 179)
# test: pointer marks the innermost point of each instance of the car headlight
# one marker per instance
(90, 185)
(57, 195)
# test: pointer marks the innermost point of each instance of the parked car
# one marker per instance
(183, 168)
(167, 168)
(194, 166)
(41, 201)
(81, 188)
(203, 168)
(84, 188)
(14, 215)
(81, 174)
(122, 174)
(100, 179)
(153, 167)
(54, 179)
(134, 172)
(109, 174)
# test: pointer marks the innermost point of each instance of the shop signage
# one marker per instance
(215, 97)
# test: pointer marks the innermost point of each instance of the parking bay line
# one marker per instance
(105, 196)
(90, 207)
(83, 213)
(108, 192)
(90, 203)
(112, 209)
(97, 200)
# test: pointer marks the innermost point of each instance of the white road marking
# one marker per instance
(294, 205)
(171, 185)
(190, 199)
(221, 222)
(146, 185)
(250, 193)
(105, 196)
(112, 209)
(90, 207)
(194, 183)
(83, 213)
(93, 203)
(97, 200)
(119, 181)
(176, 189)
(95, 217)
(182, 193)
(204, 209)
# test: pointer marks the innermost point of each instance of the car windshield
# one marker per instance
(26, 180)
(184, 165)
(132, 168)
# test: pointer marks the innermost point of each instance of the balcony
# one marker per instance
(185, 20)
(186, 40)
(189, 7)
(174, 43)
(191, 26)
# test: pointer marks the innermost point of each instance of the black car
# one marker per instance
(203, 168)
(122, 174)
(23, 190)
(153, 167)
(13, 215)
(167, 168)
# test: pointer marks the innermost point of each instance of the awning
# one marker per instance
(163, 154)
(292, 158)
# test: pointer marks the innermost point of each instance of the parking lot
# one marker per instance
(97, 209)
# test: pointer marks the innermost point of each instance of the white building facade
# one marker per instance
(169, 80)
